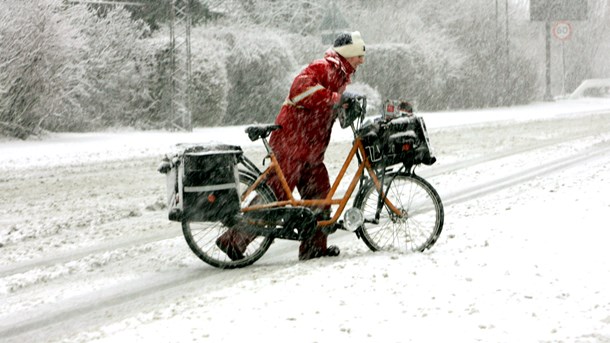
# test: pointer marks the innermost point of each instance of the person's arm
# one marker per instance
(308, 91)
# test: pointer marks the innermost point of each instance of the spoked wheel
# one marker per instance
(419, 223)
(203, 237)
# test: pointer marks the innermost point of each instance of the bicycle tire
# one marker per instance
(201, 236)
(421, 205)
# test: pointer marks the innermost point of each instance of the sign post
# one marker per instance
(548, 11)
(547, 43)
(562, 30)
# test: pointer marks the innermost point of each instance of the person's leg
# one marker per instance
(315, 184)
(292, 170)
(234, 242)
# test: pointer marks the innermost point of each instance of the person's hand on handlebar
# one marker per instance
(347, 99)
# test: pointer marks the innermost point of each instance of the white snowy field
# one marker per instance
(523, 256)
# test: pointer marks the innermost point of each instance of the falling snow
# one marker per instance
(88, 254)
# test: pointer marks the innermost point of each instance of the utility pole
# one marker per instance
(507, 42)
(547, 40)
(180, 50)
(496, 66)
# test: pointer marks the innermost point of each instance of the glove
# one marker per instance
(165, 166)
(349, 97)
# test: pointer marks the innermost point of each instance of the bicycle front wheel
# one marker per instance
(415, 228)
(202, 237)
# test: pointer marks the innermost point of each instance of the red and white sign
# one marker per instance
(562, 30)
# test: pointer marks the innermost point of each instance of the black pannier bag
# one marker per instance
(203, 183)
(401, 140)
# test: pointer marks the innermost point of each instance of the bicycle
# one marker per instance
(214, 189)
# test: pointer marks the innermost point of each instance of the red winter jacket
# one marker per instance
(306, 116)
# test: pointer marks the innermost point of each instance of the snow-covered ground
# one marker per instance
(88, 253)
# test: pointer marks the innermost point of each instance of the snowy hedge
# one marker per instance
(210, 81)
(66, 68)
(259, 66)
(404, 71)
(28, 67)
(107, 68)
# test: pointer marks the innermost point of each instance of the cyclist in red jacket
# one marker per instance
(307, 118)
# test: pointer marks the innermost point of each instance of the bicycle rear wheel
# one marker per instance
(201, 237)
(417, 227)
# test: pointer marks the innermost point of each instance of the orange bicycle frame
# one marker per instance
(329, 200)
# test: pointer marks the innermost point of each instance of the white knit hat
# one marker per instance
(349, 44)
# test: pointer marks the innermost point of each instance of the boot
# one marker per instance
(333, 251)
(229, 249)
(315, 247)
(234, 243)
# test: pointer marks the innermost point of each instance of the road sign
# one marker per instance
(551, 10)
(562, 30)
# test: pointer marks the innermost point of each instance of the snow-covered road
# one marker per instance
(88, 254)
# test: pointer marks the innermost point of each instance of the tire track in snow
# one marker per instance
(522, 176)
(501, 154)
(76, 255)
(132, 296)
(87, 311)
(91, 309)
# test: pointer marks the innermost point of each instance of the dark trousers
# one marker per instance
(312, 182)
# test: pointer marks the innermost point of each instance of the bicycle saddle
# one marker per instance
(261, 131)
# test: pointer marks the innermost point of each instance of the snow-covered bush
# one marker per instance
(210, 80)
(29, 66)
(209, 83)
(159, 78)
(65, 68)
(305, 48)
(452, 54)
(259, 65)
(407, 57)
(404, 71)
(107, 70)
(238, 76)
